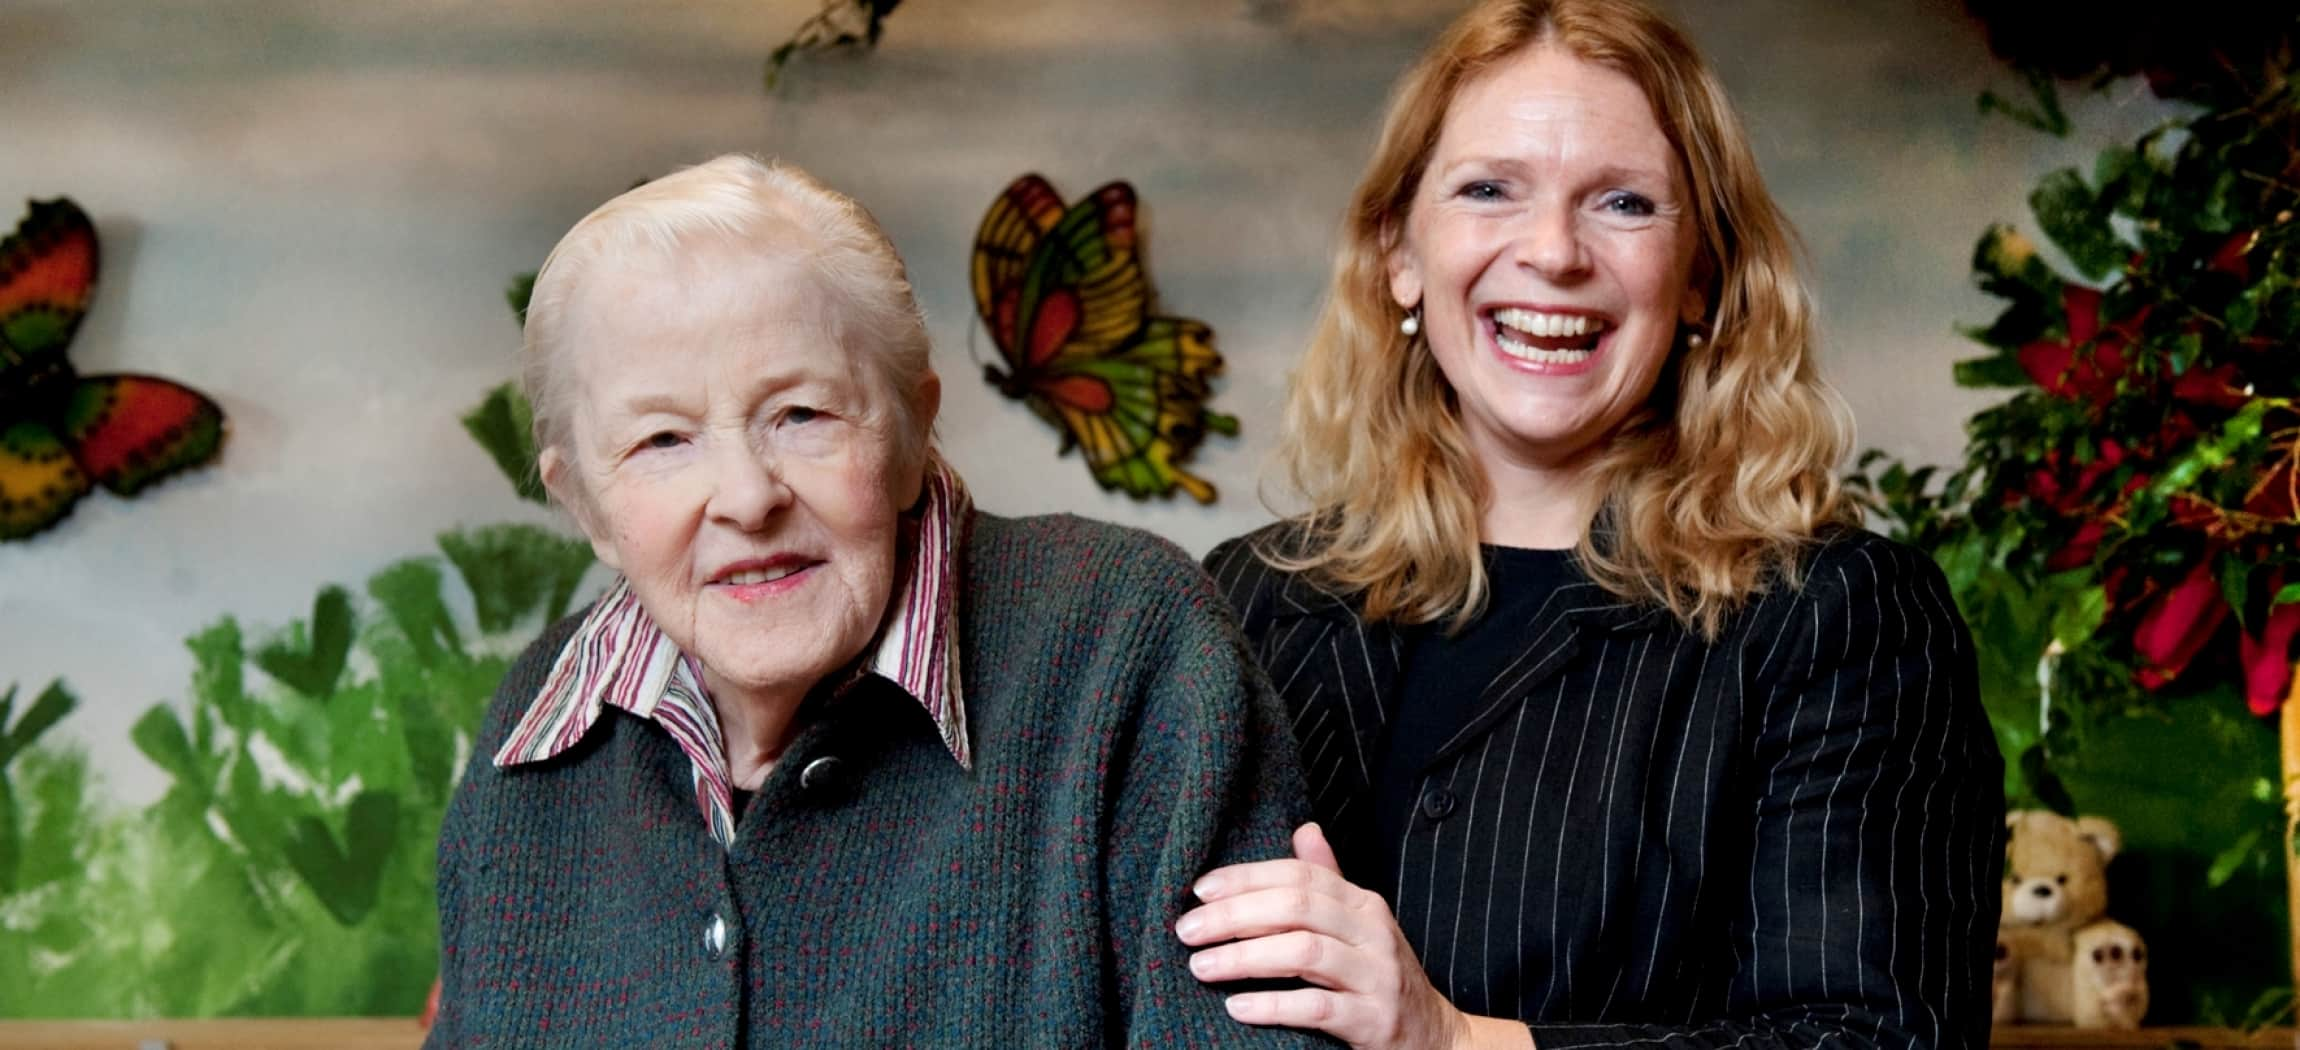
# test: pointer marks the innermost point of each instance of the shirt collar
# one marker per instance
(619, 657)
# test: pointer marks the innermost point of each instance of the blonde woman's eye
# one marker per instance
(1626, 203)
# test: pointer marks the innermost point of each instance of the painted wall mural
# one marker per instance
(1066, 296)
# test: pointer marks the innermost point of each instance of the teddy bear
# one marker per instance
(2059, 960)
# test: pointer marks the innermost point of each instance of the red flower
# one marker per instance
(2080, 548)
(2058, 368)
(2088, 364)
(2230, 259)
(2176, 627)
(2268, 658)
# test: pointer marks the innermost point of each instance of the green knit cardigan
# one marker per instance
(1123, 744)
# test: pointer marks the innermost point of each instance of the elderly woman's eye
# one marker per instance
(1482, 190)
(800, 414)
(662, 439)
(1626, 203)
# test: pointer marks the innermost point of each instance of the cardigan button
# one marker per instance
(821, 774)
(715, 937)
(1436, 803)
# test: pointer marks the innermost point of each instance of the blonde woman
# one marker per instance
(1618, 730)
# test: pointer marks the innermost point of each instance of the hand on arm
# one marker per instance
(1300, 918)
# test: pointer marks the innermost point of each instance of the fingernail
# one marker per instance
(1188, 926)
(1240, 1005)
(1208, 887)
(1199, 964)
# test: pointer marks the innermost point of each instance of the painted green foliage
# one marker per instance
(288, 868)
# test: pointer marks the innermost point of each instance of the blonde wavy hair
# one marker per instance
(1711, 492)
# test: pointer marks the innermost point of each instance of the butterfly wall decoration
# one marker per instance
(62, 433)
(1063, 291)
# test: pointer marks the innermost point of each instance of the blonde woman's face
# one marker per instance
(1550, 250)
(736, 462)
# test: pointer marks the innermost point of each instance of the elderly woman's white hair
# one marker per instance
(770, 206)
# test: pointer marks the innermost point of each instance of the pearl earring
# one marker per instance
(1695, 340)
(1412, 325)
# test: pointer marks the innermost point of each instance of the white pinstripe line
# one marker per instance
(1493, 856)
(1557, 875)
(1525, 858)
(1461, 884)
(1669, 807)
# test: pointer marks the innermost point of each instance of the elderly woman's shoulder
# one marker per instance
(1091, 553)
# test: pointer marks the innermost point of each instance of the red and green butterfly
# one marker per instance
(1064, 294)
(62, 433)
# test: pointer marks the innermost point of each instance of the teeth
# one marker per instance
(1524, 352)
(759, 576)
(1547, 325)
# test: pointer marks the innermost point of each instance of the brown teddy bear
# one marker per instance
(2058, 961)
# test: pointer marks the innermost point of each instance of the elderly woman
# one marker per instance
(1618, 731)
(836, 759)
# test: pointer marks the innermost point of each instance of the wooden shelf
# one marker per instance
(2047, 1037)
(298, 1033)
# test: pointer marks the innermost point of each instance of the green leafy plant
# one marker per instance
(2123, 532)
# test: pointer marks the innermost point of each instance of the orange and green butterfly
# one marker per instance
(62, 433)
(1064, 295)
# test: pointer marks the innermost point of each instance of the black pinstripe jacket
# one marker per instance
(1788, 837)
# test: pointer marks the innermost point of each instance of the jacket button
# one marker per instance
(821, 774)
(715, 937)
(1436, 803)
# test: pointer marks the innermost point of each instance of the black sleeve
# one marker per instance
(1879, 820)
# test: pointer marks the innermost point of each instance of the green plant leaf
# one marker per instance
(2077, 619)
(2224, 866)
(218, 679)
(2040, 111)
(346, 876)
(2007, 266)
(53, 704)
(1982, 373)
(2288, 594)
(513, 569)
(312, 663)
(2074, 216)
(409, 592)
(521, 291)
(2235, 577)
(160, 736)
(504, 425)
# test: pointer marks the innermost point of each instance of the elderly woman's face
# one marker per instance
(735, 462)
(1550, 248)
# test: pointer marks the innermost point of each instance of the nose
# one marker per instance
(1549, 242)
(746, 487)
(2040, 891)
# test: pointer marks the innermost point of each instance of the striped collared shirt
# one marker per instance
(619, 657)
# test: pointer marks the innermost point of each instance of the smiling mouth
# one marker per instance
(762, 573)
(741, 579)
(1542, 337)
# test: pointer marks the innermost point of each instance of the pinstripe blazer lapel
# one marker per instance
(1345, 670)
(1574, 615)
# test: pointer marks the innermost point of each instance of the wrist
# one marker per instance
(1490, 1033)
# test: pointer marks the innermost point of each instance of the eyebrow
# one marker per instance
(1606, 173)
